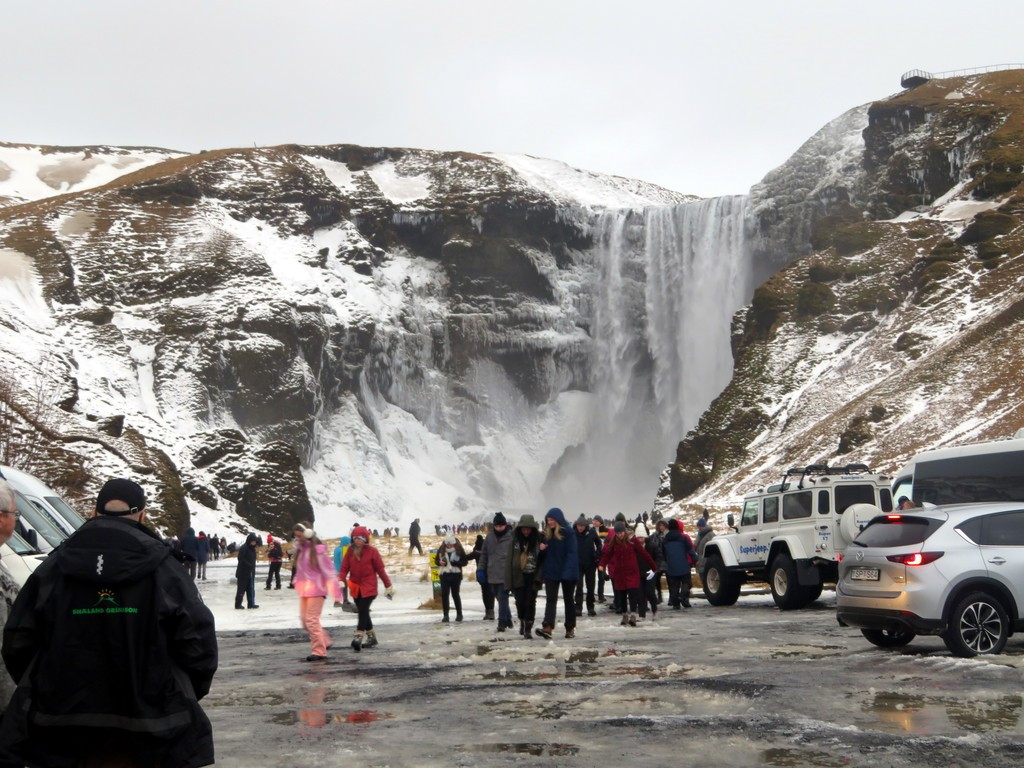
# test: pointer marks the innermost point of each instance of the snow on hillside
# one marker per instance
(33, 173)
(572, 185)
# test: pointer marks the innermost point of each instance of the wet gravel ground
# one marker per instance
(746, 685)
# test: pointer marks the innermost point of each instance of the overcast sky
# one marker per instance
(704, 98)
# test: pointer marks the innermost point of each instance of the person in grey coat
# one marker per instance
(492, 563)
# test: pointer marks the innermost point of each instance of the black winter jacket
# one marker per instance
(588, 548)
(109, 640)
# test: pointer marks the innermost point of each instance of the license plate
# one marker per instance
(864, 574)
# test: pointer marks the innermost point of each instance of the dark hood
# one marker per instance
(556, 514)
(111, 550)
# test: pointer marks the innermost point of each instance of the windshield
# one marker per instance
(20, 546)
(32, 518)
(69, 514)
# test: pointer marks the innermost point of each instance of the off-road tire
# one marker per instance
(812, 593)
(888, 638)
(978, 625)
(720, 586)
(786, 589)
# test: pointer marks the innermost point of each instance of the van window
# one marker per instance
(771, 509)
(32, 519)
(796, 505)
(985, 477)
(749, 516)
(853, 494)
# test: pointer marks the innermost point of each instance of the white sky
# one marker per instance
(704, 98)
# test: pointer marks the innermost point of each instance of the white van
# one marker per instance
(44, 498)
(20, 558)
(988, 471)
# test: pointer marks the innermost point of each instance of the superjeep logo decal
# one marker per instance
(759, 549)
(106, 604)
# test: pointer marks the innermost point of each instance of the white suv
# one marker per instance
(955, 570)
(791, 534)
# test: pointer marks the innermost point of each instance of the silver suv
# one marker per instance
(956, 571)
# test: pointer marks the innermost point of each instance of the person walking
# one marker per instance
(314, 580)
(339, 552)
(654, 546)
(112, 648)
(414, 537)
(275, 554)
(450, 559)
(588, 552)
(620, 557)
(705, 533)
(561, 569)
(523, 573)
(190, 552)
(679, 555)
(481, 577)
(602, 532)
(202, 555)
(492, 567)
(214, 546)
(245, 573)
(361, 566)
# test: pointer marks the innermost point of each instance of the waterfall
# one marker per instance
(668, 280)
(699, 273)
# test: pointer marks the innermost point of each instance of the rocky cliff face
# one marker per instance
(899, 328)
(341, 332)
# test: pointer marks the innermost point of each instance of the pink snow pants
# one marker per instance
(310, 609)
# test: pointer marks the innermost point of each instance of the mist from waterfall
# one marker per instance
(669, 279)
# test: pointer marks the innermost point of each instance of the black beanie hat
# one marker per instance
(621, 517)
(499, 519)
(582, 520)
(120, 489)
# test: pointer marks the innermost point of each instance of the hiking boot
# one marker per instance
(579, 611)
(528, 630)
(632, 619)
(600, 598)
(501, 626)
(458, 616)
(349, 607)
(315, 657)
(357, 641)
(371, 639)
(444, 619)
(489, 616)
(625, 620)
(522, 627)
(544, 632)
(570, 633)
(591, 611)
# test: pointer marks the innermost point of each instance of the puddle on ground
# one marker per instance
(585, 656)
(927, 715)
(551, 710)
(523, 748)
(803, 651)
(795, 758)
(317, 718)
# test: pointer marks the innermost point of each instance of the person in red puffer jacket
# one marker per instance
(622, 555)
(361, 566)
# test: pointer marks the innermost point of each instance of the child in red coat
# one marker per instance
(622, 556)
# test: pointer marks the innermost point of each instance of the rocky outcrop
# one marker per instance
(865, 348)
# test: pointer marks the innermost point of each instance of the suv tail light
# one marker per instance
(915, 558)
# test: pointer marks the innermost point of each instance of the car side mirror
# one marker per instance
(730, 520)
(33, 540)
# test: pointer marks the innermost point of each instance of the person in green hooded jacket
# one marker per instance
(523, 572)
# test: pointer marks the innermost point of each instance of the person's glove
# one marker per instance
(389, 592)
(481, 576)
(650, 575)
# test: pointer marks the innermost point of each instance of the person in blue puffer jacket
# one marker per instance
(561, 568)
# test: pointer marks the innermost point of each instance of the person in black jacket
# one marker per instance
(414, 537)
(245, 573)
(588, 552)
(112, 649)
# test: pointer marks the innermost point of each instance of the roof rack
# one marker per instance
(823, 469)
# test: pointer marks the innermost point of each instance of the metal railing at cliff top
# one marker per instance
(916, 77)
